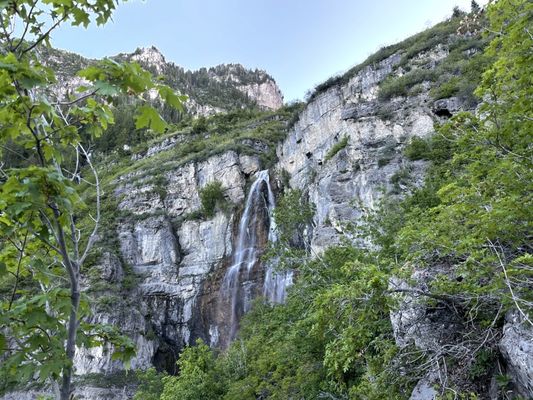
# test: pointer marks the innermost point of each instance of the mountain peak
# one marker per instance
(150, 56)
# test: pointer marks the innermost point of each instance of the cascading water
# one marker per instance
(236, 286)
(276, 284)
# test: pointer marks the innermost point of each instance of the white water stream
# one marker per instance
(236, 285)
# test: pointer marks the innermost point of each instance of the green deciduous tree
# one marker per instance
(198, 379)
(43, 243)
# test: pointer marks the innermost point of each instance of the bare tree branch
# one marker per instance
(93, 236)
(45, 35)
(515, 298)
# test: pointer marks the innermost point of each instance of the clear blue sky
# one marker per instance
(299, 42)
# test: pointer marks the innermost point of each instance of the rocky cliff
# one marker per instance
(210, 90)
(162, 263)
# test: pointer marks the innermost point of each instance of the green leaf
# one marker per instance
(148, 117)
(106, 89)
(171, 98)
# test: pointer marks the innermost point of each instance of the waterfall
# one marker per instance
(237, 286)
(276, 284)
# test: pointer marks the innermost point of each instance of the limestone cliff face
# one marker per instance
(262, 89)
(342, 185)
(266, 94)
(171, 255)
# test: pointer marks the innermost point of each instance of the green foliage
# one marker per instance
(150, 385)
(417, 149)
(438, 148)
(457, 12)
(211, 196)
(198, 379)
(199, 125)
(292, 215)
(341, 144)
(447, 89)
(295, 108)
(482, 365)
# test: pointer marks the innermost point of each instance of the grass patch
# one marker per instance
(336, 148)
(401, 85)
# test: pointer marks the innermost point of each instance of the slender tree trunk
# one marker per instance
(73, 270)
(71, 338)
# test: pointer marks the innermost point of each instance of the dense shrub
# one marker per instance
(211, 196)
(438, 148)
(417, 149)
(150, 385)
(199, 125)
(198, 379)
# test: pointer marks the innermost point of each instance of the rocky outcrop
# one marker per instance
(260, 88)
(98, 360)
(516, 347)
(267, 94)
(447, 107)
(424, 389)
(343, 185)
(151, 57)
(201, 110)
(429, 328)
(210, 91)
(175, 257)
